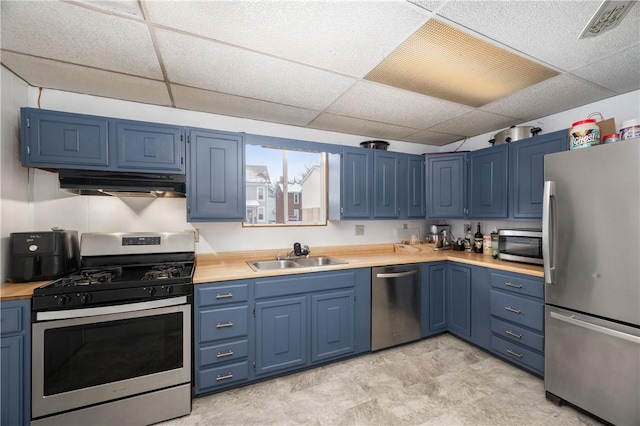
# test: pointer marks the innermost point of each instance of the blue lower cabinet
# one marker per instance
(332, 325)
(434, 296)
(480, 308)
(517, 319)
(281, 334)
(225, 375)
(459, 300)
(15, 363)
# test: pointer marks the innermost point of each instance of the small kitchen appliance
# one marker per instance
(116, 335)
(520, 245)
(441, 236)
(39, 256)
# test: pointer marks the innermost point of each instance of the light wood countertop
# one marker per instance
(233, 265)
(216, 267)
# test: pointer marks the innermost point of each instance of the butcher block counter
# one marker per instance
(214, 267)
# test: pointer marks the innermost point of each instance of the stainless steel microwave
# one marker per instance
(520, 245)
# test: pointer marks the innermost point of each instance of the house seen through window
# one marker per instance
(285, 187)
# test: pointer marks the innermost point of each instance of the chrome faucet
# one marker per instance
(297, 252)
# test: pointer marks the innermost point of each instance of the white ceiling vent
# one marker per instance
(608, 15)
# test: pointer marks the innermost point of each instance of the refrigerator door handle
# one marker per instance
(548, 232)
(598, 328)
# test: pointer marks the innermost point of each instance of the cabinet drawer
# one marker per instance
(11, 320)
(224, 352)
(520, 310)
(222, 376)
(217, 324)
(213, 295)
(517, 334)
(521, 284)
(518, 354)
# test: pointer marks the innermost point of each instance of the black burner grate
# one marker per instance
(91, 277)
(160, 272)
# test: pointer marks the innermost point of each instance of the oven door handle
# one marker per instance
(108, 310)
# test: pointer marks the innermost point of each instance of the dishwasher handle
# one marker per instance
(397, 274)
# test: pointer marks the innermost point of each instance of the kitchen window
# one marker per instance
(285, 186)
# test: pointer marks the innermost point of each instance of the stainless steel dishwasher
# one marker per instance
(395, 305)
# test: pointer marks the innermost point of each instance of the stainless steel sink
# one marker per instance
(302, 262)
(319, 261)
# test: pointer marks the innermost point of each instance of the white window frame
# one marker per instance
(261, 193)
(296, 198)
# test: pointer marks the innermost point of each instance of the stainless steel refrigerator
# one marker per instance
(591, 240)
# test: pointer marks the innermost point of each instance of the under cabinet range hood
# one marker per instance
(121, 184)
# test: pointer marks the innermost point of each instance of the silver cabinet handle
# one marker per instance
(598, 328)
(224, 296)
(226, 324)
(511, 333)
(548, 232)
(510, 309)
(510, 284)
(397, 274)
(225, 377)
(224, 354)
(516, 354)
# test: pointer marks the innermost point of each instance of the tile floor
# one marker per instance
(438, 381)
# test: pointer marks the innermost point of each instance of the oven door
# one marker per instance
(106, 353)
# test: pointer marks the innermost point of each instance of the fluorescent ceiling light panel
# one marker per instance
(446, 63)
(608, 15)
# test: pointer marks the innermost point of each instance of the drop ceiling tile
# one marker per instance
(474, 123)
(209, 65)
(356, 126)
(428, 137)
(40, 72)
(235, 106)
(546, 30)
(549, 97)
(349, 37)
(377, 102)
(619, 72)
(62, 31)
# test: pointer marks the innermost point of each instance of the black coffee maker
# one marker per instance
(40, 256)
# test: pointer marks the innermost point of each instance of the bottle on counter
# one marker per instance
(468, 246)
(494, 243)
(477, 241)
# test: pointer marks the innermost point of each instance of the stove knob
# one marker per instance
(85, 297)
(150, 290)
(168, 289)
(63, 299)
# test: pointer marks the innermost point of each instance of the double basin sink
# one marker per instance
(294, 263)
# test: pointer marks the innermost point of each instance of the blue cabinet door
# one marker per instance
(215, 184)
(415, 191)
(488, 183)
(446, 189)
(387, 181)
(332, 325)
(149, 147)
(434, 295)
(480, 307)
(526, 165)
(356, 172)
(15, 363)
(281, 336)
(64, 140)
(459, 300)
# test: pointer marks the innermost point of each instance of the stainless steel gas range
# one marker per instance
(112, 342)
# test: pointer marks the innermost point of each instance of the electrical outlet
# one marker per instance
(359, 229)
(196, 234)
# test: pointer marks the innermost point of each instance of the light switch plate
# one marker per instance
(359, 230)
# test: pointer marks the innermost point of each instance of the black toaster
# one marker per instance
(40, 256)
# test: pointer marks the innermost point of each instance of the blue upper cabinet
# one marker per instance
(149, 147)
(526, 164)
(414, 189)
(356, 169)
(62, 140)
(488, 183)
(388, 177)
(215, 178)
(446, 189)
